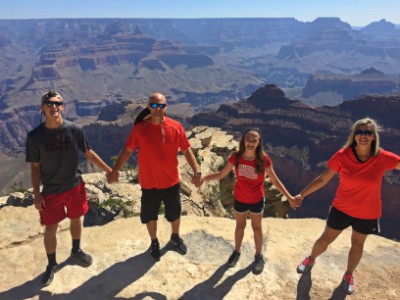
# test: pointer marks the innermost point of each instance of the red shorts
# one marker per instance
(72, 204)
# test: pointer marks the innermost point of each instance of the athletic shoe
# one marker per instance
(259, 264)
(233, 259)
(81, 258)
(180, 246)
(49, 274)
(155, 250)
(348, 284)
(305, 266)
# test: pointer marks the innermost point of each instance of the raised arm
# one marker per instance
(220, 174)
(318, 182)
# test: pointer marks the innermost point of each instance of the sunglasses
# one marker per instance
(159, 105)
(49, 103)
(363, 132)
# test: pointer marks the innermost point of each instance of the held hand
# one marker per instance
(112, 176)
(200, 182)
(295, 202)
(197, 180)
(292, 203)
(299, 199)
(38, 202)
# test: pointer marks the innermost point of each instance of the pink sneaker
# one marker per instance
(305, 265)
(348, 284)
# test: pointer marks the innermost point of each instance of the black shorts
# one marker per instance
(256, 208)
(151, 203)
(339, 220)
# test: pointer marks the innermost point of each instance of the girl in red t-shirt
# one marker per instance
(361, 165)
(250, 164)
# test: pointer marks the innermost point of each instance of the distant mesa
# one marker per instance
(372, 72)
(151, 64)
(369, 81)
(117, 29)
(381, 29)
(267, 97)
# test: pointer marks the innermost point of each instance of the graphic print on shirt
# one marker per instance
(58, 143)
(247, 171)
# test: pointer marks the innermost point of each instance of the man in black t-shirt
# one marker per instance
(53, 148)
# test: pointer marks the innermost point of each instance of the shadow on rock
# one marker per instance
(304, 286)
(339, 293)
(208, 290)
(103, 286)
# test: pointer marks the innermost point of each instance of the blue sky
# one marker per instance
(354, 12)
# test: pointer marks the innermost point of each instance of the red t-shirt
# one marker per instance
(249, 186)
(359, 190)
(157, 146)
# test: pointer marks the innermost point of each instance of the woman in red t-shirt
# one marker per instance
(361, 165)
(250, 164)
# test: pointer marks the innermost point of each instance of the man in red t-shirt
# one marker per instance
(157, 140)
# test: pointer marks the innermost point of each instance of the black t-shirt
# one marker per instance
(57, 151)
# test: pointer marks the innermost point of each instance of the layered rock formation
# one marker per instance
(369, 81)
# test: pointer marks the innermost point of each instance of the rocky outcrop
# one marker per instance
(123, 269)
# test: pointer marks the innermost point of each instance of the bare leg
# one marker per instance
(327, 237)
(239, 229)
(256, 220)
(152, 229)
(356, 250)
(50, 239)
(76, 228)
(175, 226)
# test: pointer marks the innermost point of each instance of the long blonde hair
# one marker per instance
(351, 142)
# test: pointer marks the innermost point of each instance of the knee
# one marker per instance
(50, 230)
(357, 244)
(76, 221)
(256, 227)
(240, 226)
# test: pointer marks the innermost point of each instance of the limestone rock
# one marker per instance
(123, 269)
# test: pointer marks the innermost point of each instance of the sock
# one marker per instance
(175, 236)
(155, 241)
(52, 259)
(76, 245)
